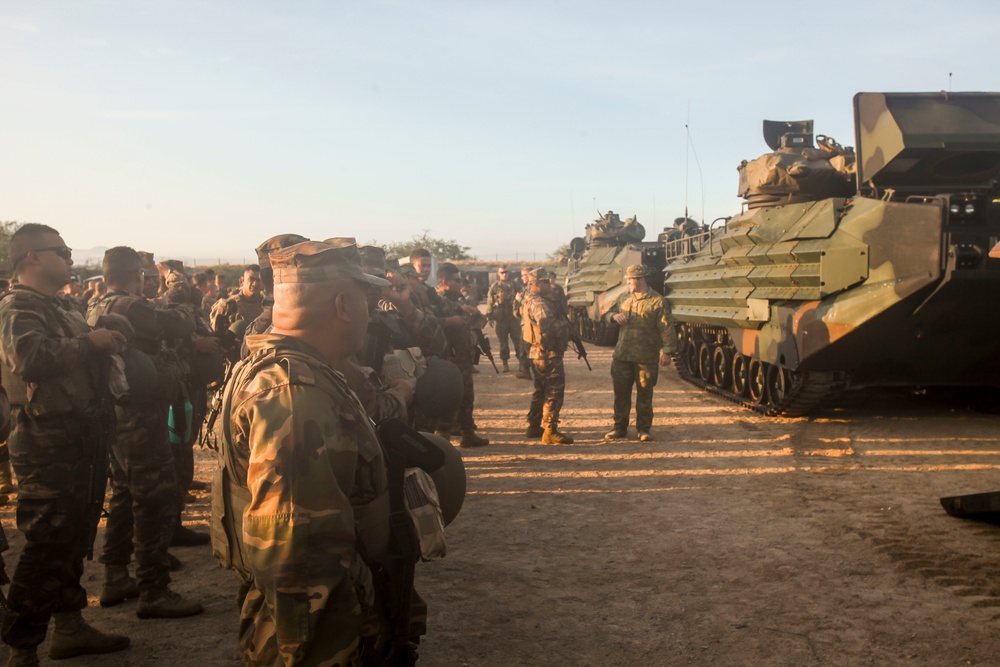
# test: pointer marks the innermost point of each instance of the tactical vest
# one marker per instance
(231, 495)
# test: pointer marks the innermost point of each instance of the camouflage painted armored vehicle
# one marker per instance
(595, 272)
(852, 268)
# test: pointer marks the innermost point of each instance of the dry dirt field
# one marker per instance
(733, 539)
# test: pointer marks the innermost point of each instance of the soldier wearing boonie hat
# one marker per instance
(295, 431)
(646, 335)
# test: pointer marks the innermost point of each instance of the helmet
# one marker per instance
(440, 389)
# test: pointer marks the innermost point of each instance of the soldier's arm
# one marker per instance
(29, 347)
(665, 325)
(299, 525)
(164, 322)
(427, 331)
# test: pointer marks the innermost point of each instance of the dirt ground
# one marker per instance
(733, 539)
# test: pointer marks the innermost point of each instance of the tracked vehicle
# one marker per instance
(595, 273)
(851, 268)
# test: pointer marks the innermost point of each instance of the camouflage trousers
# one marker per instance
(625, 375)
(142, 510)
(550, 385)
(52, 461)
(508, 329)
(523, 348)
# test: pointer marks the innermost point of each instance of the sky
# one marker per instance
(197, 129)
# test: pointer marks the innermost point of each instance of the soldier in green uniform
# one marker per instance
(60, 408)
(144, 494)
(646, 335)
(523, 362)
(500, 311)
(243, 307)
(547, 332)
(306, 455)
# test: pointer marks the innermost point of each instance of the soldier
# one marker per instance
(547, 333)
(296, 438)
(57, 424)
(235, 313)
(144, 494)
(500, 312)
(458, 319)
(523, 362)
(262, 323)
(645, 328)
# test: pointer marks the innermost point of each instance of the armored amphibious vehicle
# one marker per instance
(850, 268)
(595, 274)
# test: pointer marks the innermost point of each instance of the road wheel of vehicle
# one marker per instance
(705, 362)
(757, 381)
(778, 382)
(691, 358)
(722, 362)
(741, 382)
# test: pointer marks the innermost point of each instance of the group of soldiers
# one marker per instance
(286, 376)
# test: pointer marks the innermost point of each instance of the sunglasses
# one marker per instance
(63, 251)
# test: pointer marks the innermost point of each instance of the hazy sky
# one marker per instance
(197, 129)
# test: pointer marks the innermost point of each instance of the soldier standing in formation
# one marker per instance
(645, 336)
(546, 331)
(144, 494)
(500, 311)
(303, 447)
(523, 362)
(57, 422)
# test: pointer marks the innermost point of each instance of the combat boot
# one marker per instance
(534, 431)
(470, 439)
(118, 586)
(552, 436)
(164, 603)
(616, 434)
(506, 366)
(73, 636)
(22, 657)
(6, 478)
(523, 373)
(644, 436)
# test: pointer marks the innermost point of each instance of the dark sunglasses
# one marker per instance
(63, 251)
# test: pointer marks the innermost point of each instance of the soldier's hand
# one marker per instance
(665, 359)
(471, 310)
(398, 294)
(107, 340)
(207, 345)
(620, 318)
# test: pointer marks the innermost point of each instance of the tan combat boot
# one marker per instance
(22, 657)
(506, 366)
(73, 636)
(552, 436)
(164, 603)
(523, 373)
(118, 586)
(470, 439)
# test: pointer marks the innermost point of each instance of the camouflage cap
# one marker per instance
(408, 271)
(373, 260)
(392, 264)
(638, 271)
(536, 275)
(318, 261)
(148, 264)
(276, 243)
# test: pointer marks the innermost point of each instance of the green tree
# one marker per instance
(559, 254)
(441, 248)
(7, 230)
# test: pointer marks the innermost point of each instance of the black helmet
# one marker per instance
(440, 389)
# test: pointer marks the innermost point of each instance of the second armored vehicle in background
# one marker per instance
(594, 276)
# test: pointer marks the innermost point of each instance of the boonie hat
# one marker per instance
(638, 271)
(265, 249)
(318, 261)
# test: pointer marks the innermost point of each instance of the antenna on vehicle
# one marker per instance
(690, 150)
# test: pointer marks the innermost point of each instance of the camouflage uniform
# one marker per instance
(52, 450)
(547, 334)
(500, 309)
(236, 308)
(646, 333)
(460, 353)
(144, 492)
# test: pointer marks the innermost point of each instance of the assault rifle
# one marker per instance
(581, 351)
(99, 431)
(484, 346)
(404, 448)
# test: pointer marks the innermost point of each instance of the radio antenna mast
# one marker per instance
(691, 151)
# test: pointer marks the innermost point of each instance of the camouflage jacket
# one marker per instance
(648, 329)
(313, 462)
(47, 348)
(227, 311)
(459, 338)
(500, 300)
(543, 327)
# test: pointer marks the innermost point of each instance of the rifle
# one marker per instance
(404, 448)
(484, 346)
(581, 351)
(99, 430)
